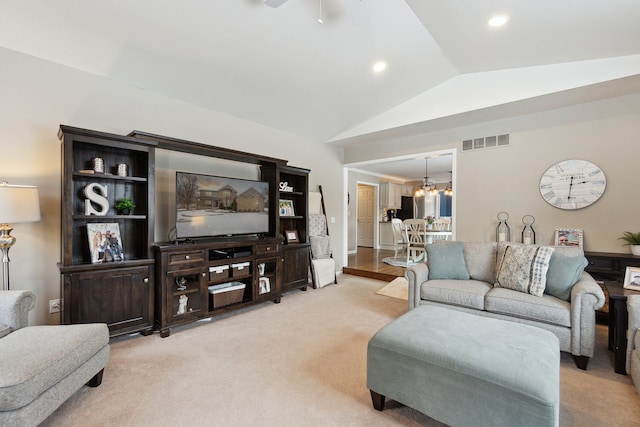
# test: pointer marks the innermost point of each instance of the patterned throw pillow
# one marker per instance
(524, 268)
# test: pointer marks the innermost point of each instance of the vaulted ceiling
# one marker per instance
(278, 66)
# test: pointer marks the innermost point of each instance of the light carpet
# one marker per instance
(397, 288)
(401, 262)
(298, 363)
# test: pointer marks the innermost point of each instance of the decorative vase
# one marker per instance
(635, 250)
(429, 226)
(125, 211)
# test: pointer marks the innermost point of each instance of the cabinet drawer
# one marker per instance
(267, 249)
(241, 269)
(218, 272)
(185, 257)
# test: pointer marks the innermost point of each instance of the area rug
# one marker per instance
(401, 262)
(397, 288)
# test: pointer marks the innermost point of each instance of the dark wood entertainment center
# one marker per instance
(160, 285)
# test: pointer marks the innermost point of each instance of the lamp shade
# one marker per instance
(19, 203)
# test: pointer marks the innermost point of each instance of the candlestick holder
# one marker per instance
(503, 231)
(528, 233)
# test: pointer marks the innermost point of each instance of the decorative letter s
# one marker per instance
(96, 193)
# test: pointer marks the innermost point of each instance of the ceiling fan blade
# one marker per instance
(358, 11)
(274, 3)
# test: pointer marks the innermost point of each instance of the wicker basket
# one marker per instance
(226, 294)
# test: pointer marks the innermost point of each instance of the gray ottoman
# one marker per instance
(466, 370)
(43, 366)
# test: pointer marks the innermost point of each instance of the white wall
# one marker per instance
(38, 96)
(506, 179)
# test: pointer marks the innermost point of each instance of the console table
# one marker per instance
(188, 274)
(610, 266)
(618, 323)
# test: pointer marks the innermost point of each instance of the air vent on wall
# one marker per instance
(485, 142)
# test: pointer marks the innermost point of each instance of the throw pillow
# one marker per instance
(320, 247)
(564, 271)
(524, 268)
(446, 261)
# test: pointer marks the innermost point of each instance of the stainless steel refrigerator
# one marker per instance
(424, 206)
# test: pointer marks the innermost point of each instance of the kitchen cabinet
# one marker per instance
(407, 190)
(386, 235)
(390, 195)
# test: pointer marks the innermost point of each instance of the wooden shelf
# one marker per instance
(126, 285)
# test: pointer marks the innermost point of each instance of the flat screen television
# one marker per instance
(208, 206)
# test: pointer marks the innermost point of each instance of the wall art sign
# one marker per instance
(96, 196)
(285, 188)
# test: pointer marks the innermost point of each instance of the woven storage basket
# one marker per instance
(226, 294)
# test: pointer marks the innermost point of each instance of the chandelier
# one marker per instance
(449, 190)
(428, 187)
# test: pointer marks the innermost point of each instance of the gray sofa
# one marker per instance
(633, 339)
(42, 366)
(464, 276)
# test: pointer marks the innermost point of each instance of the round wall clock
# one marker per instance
(572, 184)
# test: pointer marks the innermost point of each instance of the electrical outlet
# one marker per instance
(55, 305)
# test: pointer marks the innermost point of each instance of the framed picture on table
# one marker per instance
(568, 237)
(632, 278)
(291, 236)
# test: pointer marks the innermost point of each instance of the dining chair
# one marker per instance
(416, 238)
(441, 230)
(442, 224)
(399, 238)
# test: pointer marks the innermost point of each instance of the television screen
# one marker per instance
(208, 205)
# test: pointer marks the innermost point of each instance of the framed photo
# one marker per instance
(286, 208)
(291, 236)
(568, 237)
(105, 243)
(632, 278)
(264, 286)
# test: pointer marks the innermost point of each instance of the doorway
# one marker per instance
(366, 215)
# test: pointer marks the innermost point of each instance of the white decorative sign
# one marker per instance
(97, 194)
(284, 187)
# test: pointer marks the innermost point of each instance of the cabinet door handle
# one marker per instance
(204, 274)
(145, 280)
(187, 257)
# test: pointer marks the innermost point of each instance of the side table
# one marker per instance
(618, 322)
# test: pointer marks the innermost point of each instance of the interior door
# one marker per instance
(366, 215)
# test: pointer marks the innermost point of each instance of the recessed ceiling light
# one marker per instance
(498, 20)
(378, 67)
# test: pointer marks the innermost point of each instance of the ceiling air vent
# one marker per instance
(486, 142)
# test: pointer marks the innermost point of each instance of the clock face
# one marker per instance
(572, 184)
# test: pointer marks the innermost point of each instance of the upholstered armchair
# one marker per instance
(42, 366)
(633, 342)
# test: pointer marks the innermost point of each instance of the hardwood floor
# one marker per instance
(367, 262)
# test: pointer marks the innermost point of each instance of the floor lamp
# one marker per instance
(18, 203)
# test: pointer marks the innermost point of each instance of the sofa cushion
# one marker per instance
(524, 268)
(464, 293)
(480, 258)
(4, 330)
(446, 261)
(37, 357)
(546, 309)
(564, 271)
